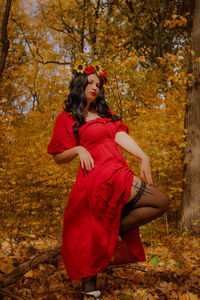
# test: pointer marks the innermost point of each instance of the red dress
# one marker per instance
(92, 215)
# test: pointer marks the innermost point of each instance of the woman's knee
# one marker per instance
(163, 202)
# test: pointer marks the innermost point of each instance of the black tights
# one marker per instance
(89, 283)
(145, 204)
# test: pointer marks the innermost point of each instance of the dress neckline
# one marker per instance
(94, 119)
(99, 119)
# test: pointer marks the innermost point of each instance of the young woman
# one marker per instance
(107, 199)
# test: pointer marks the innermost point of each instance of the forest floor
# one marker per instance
(171, 270)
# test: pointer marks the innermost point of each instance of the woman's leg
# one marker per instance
(149, 204)
(89, 288)
(89, 283)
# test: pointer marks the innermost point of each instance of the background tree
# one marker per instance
(4, 36)
(190, 216)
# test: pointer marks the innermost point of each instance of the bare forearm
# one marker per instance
(66, 156)
(127, 143)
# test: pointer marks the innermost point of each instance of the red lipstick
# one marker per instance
(93, 93)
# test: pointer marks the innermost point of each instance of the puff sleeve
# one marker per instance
(119, 125)
(63, 137)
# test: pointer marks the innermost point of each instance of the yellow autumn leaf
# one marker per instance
(197, 59)
(188, 296)
(29, 274)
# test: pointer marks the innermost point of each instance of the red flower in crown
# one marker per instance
(89, 70)
(102, 75)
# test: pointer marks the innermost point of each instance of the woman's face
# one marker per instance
(92, 88)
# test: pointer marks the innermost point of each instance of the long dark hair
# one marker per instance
(76, 101)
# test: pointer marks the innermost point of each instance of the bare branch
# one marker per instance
(67, 27)
(145, 36)
(54, 62)
(92, 4)
(23, 268)
(56, 29)
(24, 37)
(41, 60)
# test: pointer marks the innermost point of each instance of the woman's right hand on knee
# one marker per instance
(86, 159)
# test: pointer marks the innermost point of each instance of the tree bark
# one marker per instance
(4, 37)
(19, 271)
(190, 214)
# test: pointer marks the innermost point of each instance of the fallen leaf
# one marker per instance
(29, 274)
(154, 260)
(6, 265)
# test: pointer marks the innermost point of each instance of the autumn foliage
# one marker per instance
(145, 48)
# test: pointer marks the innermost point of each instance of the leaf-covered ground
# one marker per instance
(170, 272)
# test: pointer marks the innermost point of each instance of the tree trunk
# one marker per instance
(190, 215)
(4, 37)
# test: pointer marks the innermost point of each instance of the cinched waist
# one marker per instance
(105, 151)
(107, 141)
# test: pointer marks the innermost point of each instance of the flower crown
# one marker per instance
(80, 67)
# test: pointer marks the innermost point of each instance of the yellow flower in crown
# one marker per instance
(79, 66)
(97, 67)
